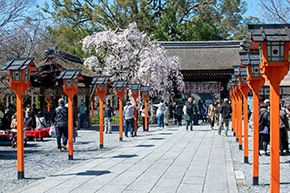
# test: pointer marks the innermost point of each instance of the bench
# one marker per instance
(4, 139)
(37, 134)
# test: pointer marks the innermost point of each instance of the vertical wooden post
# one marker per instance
(120, 96)
(240, 118)
(236, 114)
(135, 116)
(274, 75)
(255, 84)
(245, 90)
(233, 113)
(92, 108)
(70, 126)
(146, 115)
(20, 135)
(120, 119)
(101, 121)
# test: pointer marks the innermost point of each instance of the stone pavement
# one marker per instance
(168, 160)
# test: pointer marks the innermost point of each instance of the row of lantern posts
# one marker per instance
(268, 60)
(20, 70)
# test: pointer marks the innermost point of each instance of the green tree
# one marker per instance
(177, 20)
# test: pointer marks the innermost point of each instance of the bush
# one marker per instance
(115, 119)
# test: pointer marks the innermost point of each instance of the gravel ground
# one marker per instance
(41, 158)
(264, 168)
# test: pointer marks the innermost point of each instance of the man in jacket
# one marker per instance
(195, 112)
(160, 113)
(60, 121)
(108, 118)
(225, 111)
(129, 118)
(189, 113)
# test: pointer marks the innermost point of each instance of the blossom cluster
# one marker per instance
(130, 55)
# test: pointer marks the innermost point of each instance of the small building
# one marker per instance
(206, 66)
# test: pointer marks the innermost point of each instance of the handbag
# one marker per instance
(110, 119)
(265, 130)
(51, 130)
(209, 120)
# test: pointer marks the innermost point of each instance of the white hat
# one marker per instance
(226, 99)
(266, 101)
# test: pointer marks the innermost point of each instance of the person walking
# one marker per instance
(166, 115)
(178, 113)
(40, 121)
(13, 130)
(189, 113)
(212, 113)
(83, 114)
(264, 128)
(204, 113)
(60, 120)
(160, 113)
(225, 111)
(109, 113)
(129, 118)
(142, 110)
(283, 135)
(195, 112)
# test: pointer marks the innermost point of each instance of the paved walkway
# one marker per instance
(168, 160)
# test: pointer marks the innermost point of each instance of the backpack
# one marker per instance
(189, 108)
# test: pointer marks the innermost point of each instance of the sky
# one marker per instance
(252, 8)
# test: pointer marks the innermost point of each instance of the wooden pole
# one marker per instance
(135, 116)
(146, 111)
(240, 119)
(236, 114)
(101, 120)
(255, 84)
(92, 108)
(120, 96)
(70, 126)
(245, 90)
(233, 113)
(274, 75)
(120, 119)
(20, 135)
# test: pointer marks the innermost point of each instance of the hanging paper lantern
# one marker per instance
(204, 88)
(221, 88)
(209, 88)
(191, 88)
(178, 88)
(186, 88)
(197, 88)
(215, 88)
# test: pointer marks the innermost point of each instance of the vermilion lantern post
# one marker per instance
(245, 90)
(274, 56)
(48, 99)
(240, 106)
(70, 86)
(235, 94)
(120, 91)
(19, 71)
(135, 94)
(255, 82)
(145, 93)
(101, 83)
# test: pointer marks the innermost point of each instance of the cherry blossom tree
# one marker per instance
(130, 55)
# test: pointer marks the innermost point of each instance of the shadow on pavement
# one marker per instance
(145, 145)
(125, 156)
(156, 138)
(86, 173)
(165, 134)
